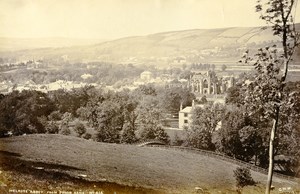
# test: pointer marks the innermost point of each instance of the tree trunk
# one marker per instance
(271, 153)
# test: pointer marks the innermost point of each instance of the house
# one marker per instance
(185, 115)
(146, 76)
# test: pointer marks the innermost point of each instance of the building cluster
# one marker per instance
(8, 86)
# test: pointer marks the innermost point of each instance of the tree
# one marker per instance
(266, 92)
(290, 131)
(20, 112)
(171, 98)
(109, 122)
(70, 101)
(55, 116)
(228, 136)
(128, 134)
(149, 120)
(235, 95)
(203, 100)
(90, 111)
(146, 90)
(64, 123)
(252, 140)
(204, 123)
(241, 137)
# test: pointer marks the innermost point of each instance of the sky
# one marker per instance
(109, 19)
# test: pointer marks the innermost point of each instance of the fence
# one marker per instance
(228, 159)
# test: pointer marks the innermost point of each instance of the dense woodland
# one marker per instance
(110, 114)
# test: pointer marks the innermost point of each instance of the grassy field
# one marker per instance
(57, 162)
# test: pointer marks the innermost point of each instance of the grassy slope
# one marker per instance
(155, 168)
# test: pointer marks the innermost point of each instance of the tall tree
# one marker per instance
(171, 98)
(266, 91)
(109, 122)
(204, 124)
(20, 111)
(149, 120)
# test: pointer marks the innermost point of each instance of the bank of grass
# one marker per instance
(81, 163)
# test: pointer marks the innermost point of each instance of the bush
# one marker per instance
(65, 130)
(52, 127)
(243, 177)
(87, 136)
(177, 140)
(154, 132)
(79, 129)
(161, 135)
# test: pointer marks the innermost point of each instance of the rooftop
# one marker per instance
(187, 109)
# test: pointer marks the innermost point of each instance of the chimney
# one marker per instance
(193, 103)
(181, 106)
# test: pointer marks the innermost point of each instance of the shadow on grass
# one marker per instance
(6, 153)
(49, 176)
(48, 166)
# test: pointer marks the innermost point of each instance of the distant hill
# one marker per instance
(224, 45)
(15, 44)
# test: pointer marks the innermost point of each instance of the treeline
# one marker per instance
(114, 117)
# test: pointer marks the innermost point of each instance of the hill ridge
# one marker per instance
(163, 48)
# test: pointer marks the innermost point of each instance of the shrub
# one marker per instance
(87, 136)
(52, 127)
(79, 129)
(177, 140)
(243, 177)
(154, 132)
(161, 135)
(65, 130)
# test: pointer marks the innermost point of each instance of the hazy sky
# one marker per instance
(107, 19)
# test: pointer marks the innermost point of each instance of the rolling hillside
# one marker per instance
(14, 44)
(61, 162)
(224, 45)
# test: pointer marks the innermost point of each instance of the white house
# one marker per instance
(146, 76)
(185, 115)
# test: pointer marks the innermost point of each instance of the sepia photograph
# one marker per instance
(149, 97)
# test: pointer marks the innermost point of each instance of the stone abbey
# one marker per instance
(209, 83)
